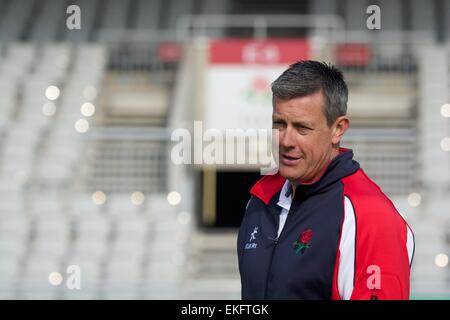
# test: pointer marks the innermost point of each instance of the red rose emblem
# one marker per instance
(306, 236)
(303, 241)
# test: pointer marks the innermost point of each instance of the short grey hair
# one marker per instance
(307, 77)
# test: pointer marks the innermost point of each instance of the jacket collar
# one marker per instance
(285, 199)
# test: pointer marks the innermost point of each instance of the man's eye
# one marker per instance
(303, 131)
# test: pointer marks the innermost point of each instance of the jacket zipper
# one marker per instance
(276, 240)
(269, 272)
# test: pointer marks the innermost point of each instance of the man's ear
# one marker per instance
(339, 128)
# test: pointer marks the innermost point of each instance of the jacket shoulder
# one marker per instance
(369, 202)
(266, 187)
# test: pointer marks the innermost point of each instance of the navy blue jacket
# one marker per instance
(317, 255)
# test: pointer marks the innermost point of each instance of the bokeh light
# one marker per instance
(99, 197)
(441, 260)
(137, 198)
(82, 126)
(173, 198)
(52, 92)
(445, 110)
(445, 144)
(55, 278)
(87, 109)
(414, 199)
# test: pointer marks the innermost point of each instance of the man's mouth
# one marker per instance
(289, 160)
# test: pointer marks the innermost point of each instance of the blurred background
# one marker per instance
(87, 185)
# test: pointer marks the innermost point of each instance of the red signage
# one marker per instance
(252, 51)
(353, 54)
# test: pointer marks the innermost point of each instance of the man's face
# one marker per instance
(305, 140)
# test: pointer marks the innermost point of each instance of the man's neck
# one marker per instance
(293, 190)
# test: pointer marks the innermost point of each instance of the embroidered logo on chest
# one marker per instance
(303, 242)
(250, 244)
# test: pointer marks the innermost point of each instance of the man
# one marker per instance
(320, 228)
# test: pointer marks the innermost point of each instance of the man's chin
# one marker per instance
(290, 173)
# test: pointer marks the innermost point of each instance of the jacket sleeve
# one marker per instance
(241, 235)
(382, 260)
(375, 260)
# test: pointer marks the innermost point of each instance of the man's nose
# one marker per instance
(287, 138)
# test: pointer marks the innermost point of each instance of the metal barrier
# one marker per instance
(200, 25)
